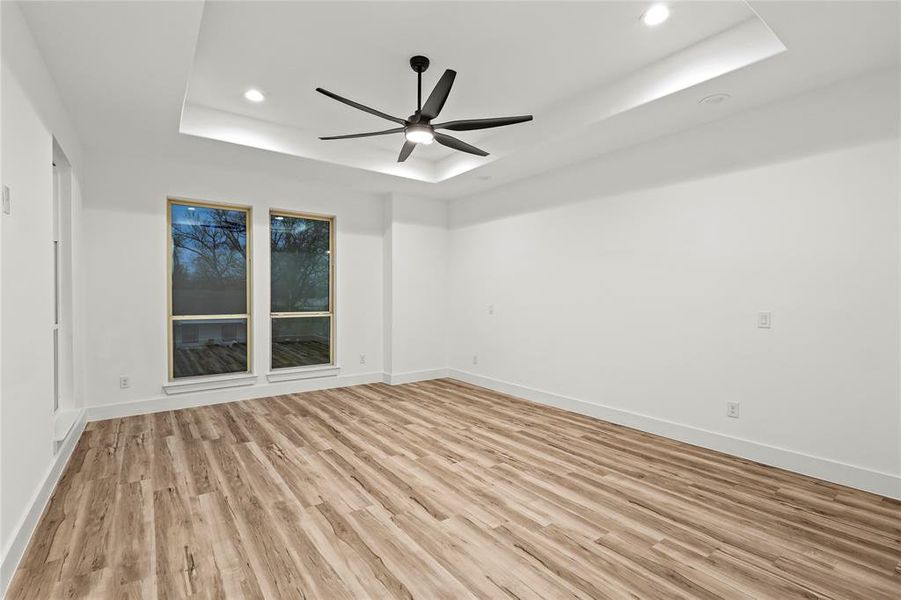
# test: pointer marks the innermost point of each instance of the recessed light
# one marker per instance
(254, 95)
(655, 15)
(714, 99)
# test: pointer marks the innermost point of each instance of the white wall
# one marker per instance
(416, 244)
(646, 301)
(27, 303)
(391, 278)
(642, 302)
(31, 114)
(125, 229)
(2, 536)
(616, 291)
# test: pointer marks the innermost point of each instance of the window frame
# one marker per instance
(331, 313)
(248, 283)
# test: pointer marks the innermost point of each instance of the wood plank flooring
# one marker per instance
(439, 490)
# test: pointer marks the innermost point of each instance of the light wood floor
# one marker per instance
(440, 490)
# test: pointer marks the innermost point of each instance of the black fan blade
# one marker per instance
(362, 107)
(359, 135)
(405, 151)
(439, 95)
(452, 142)
(470, 124)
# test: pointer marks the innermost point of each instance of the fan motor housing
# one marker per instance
(419, 63)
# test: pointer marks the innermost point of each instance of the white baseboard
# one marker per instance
(220, 396)
(15, 548)
(885, 484)
(414, 376)
(882, 483)
(232, 394)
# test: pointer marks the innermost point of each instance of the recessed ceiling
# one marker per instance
(571, 64)
(123, 68)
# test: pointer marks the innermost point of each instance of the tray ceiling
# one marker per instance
(574, 65)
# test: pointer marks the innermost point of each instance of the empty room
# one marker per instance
(444, 299)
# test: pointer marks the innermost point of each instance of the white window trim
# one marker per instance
(213, 382)
(293, 374)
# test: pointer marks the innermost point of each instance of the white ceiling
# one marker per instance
(127, 69)
(506, 61)
(541, 58)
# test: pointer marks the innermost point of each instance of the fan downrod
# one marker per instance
(419, 63)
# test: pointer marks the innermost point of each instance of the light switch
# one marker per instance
(764, 320)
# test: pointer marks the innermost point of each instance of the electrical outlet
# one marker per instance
(732, 409)
(124, 382)
(764, 320)
(490, 309)
(362, 359)
(475, 359)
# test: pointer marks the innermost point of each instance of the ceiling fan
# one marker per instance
(418, 127)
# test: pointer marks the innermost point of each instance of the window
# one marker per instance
(209, 293)
(302, 295)
(190, 333)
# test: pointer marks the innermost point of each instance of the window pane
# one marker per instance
(300, 264)
(209, 261)
(209, 347)
(301, 342)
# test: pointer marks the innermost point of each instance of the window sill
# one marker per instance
(303, 373)
(198, 384)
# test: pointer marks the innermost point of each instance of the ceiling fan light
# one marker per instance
(419, 134)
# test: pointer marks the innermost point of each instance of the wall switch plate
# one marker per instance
(732, 409)
(362, 359)
(124, 382)
(7, 206)
(475, 359)
(764, 320)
